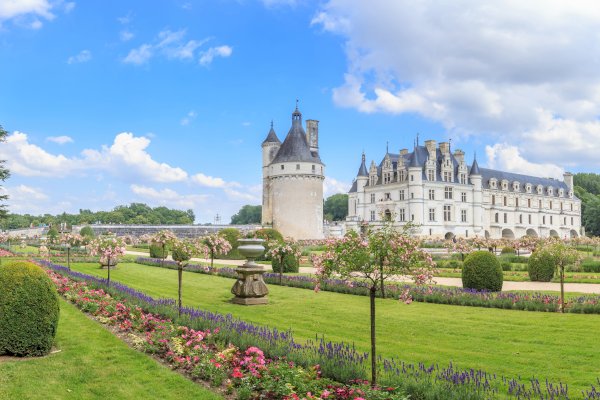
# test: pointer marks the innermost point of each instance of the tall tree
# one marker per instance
(247, 215)
(336, 207)
(4, 174)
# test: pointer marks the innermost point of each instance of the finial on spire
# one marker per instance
(450, 145)
(297, 104)
(387, 147)
(417, 138)
(363, 156)
(475, 155)
(271, 124)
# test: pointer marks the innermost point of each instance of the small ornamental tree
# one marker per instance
(87, 233)
(52, 235)
(216, 245)
(164, 239)
(109, 249)
(460, 246)
(183, 251)
(279, 251)
(71, 240)
(355, 256)
(561, 255)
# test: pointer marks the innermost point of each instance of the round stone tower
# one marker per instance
(270, 147)
(294, 183)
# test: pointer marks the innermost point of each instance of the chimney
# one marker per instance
(312, 134)
(568, 178)
(430, 144)
(445, 148)
(459, 155)
(403, 152)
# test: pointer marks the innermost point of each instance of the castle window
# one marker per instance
(565, 221)
(387, 196)
(313, 169)
(447, 213)
(463, 179)
(505, 201)
(463, 197)
(448, 193)
(463, 215)
(551, 220)
(493, 183)
(402, 195)
(412, 177)
(412, 217)
(505, 218)
(372, 215)
(431, 175)
(551, 204)
(496, 218)
(282, 166)
(561, 206)
(516, 186)
(447, 176)
(540, 205)
(504, 185)
(431, 194)
(402, 175)
(412, 195)
(540, 189)
(516, 202)
(372, 197)
(520, 218)
(544, 220)
(493, 200)
(298, 166)
(571, 220)
(529, 218)
(529, 203)
(571, 206)
(402, 215)
(528, 188)
(432, 215)
(561, 192)
(550, 191)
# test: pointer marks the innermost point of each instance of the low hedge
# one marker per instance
(482, 271)
(589, 265)
(29, 310)
(290, 264)
(157, 251)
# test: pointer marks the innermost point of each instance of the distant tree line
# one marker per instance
(135, 213)
(587, 188)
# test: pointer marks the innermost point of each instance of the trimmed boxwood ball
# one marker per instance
(540, 266)
(482, 271)
(290, 264)
(156, 251)
(29, 310)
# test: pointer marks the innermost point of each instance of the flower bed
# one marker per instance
(299, 365)
(525, 301)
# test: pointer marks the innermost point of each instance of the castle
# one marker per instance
(293, 177)
(435, 189)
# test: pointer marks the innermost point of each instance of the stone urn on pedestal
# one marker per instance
(249, 288)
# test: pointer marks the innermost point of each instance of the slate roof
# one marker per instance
(354, 187)
(362, 171)
(488, 174)
(295, 148)
(475, 169)
(271, 136)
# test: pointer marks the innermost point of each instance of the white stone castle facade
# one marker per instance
(293, 177)
(435, 189)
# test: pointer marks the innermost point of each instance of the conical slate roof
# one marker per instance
(414, 159)
(475, 168)
(271, 136)
(362, 171)
(295, 148)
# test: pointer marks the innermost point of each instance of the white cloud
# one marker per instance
(208, 181)
(60, 139)
(478, 68)
(125, 20)
(69, 6)
(169, 197)
(188, 118)
(208, 56)
(126, 35)
(506, 157)
(170, 44)
(15, 8)
(332, 186)
(139, 56)
(83, 56)
(24, 199)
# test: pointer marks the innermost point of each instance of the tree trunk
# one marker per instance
(212, 258)
(281, 258)
(381, 278)
(108, 259)
(372, 293)
(562, 289)
(69, 257)
(179, 276)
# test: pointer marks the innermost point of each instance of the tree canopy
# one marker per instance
(587, 188)
(336, 207)
(247, 215)
(135, 213)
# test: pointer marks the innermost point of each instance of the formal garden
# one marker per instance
(172, 329)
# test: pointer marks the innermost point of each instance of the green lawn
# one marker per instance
(92, 364)
(513, 343)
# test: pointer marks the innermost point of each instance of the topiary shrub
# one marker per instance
(540, 266)
(268, 234)
(157, 251)
(482, 271)
(232, 235)
(28, 310)
(87, 231)
(506, 266)
(290, 264)
(508, 250)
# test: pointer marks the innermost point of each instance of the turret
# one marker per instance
(270, 147)
(363, 175)
(476, 180)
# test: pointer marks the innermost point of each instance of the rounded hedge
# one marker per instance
(157, 251)
(540, 266)
(482, 271)
(29, 310)
(290, 264)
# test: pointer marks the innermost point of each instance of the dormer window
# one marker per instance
(493, 183)
(561, 192)
(528, 188)
(504, 184)
(550, 190)
(570, 193)
(516, 186)
(540, 189)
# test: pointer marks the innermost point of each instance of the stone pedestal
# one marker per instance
(249, 288)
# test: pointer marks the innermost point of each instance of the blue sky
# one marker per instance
(114, 102)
